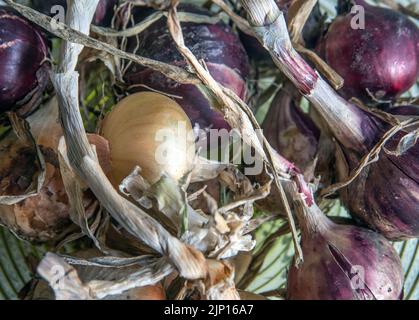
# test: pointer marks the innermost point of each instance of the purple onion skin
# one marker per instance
(23, 52)
(405, 110)
(216, 44)
(386, 194)
(331, 251)
(102, 17)
(290, 131)
(383, 57)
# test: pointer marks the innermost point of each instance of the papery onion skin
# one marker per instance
(42, 217)
(216, 44)
(103, 16)
(40, 290)
(344, 262)
(23, 57)
(383, 58)
(132, 128)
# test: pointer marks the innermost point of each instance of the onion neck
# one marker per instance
(312, 220)
(350, 125)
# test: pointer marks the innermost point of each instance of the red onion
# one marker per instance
(386, 193)
(383, 58)
(216, 44)
(103, 16)
(23, 65)
(343, 262)
(290, 131)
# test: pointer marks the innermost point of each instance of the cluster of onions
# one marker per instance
(380, 59)
(385, 195)
(216, 44)
(103, 16)
(155, 132)
(23, 63)
(152, 131)
(343, 262)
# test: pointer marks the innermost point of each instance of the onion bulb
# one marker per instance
(151, 131)
(343, 262)
(23, 63)
(380, 59)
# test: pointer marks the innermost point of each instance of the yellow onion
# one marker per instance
(151, 131)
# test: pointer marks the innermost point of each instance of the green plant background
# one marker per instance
(15, 254)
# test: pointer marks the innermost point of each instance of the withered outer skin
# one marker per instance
(332, 256)
(40, 289)
(311, 34)
(39, 218)
(216, 44)
(42, 217)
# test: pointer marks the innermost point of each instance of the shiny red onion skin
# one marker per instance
(383, 57)
(102, 17)
(329, 257)
(216, 44)
(23, 52)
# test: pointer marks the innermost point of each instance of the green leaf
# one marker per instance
(14, 269)
(408, 252)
